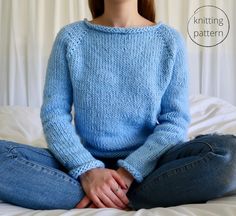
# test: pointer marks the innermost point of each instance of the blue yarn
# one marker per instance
(129, 88)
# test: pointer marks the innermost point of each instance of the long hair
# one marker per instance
(146, 8)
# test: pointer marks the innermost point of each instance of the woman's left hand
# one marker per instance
(125, 175)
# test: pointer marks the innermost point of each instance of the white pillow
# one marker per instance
(21, 124)
(211, 114)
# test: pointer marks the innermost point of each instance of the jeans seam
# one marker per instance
(13, 147)
(49, 170)
(213, 148)
(199, 141)
(192, 164)
(195, 162)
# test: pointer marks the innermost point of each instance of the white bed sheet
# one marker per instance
(209, 115)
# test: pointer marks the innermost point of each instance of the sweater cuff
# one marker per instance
(76, 172)
(134, 172)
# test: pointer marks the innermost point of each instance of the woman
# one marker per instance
(128, 79)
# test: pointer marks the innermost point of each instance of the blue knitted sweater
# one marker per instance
(129, 89)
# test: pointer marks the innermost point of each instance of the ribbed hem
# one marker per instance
(75, 173)
(124, 30)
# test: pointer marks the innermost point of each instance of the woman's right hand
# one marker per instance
(100, 186)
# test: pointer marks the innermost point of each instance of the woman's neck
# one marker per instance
(121, 13)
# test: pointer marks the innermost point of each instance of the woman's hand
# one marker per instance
(126, 176)
(100, 186)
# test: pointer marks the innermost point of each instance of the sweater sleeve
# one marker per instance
(173, 120)
(55, 113)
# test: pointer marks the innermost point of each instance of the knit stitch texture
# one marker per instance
(129, 89)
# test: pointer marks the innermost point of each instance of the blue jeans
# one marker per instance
(195, 171)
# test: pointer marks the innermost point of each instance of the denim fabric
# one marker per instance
(195, 171)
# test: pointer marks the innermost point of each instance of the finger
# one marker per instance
(108, 200)
(119, 180)
(121, 195)
(97, 201)
(115, 199)
(92, 206)
(83, 202)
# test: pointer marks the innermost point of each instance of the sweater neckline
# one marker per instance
(123, 30)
